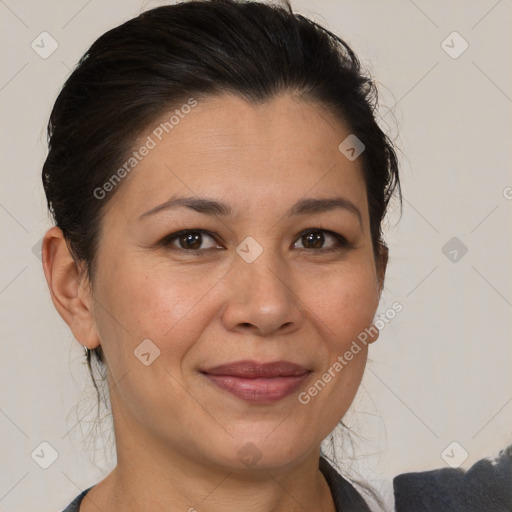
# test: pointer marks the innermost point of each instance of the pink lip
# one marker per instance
(258, 382)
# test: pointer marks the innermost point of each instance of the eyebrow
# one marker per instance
(221, 209)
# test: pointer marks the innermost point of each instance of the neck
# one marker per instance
(151, 475)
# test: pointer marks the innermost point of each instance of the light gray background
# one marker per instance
(441, 371)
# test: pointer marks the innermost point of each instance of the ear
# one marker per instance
(381, 265)
(69, 288)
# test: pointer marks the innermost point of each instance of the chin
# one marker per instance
(259, 450)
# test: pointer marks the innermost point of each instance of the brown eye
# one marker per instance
(190, 241)
(316, 238)
(313, 240)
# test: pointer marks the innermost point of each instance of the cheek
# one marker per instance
(348, 307)
(154, 302)
(168, 307)
(345, 303)
(343, 308)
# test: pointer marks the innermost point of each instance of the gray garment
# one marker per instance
(485, 487)
(75, 504)
(345, 496)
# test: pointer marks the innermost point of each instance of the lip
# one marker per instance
(258, 382)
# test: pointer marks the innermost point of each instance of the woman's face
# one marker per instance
(257, 281)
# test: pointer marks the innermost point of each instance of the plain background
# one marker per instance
(441, 370)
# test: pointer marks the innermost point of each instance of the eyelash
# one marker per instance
(342, 242)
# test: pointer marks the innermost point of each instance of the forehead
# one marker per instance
(246, 153)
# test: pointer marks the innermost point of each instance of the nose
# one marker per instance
(261, 298)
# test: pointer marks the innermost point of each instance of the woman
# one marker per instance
(218, 183)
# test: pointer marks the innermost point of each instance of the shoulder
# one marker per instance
(487, 485)
(75, 504)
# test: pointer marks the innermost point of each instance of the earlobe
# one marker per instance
(69, 288)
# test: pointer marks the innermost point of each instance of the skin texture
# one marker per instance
(178, 436)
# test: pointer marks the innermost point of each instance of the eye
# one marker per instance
(313, 238)
(199, 240)
(190, 240)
